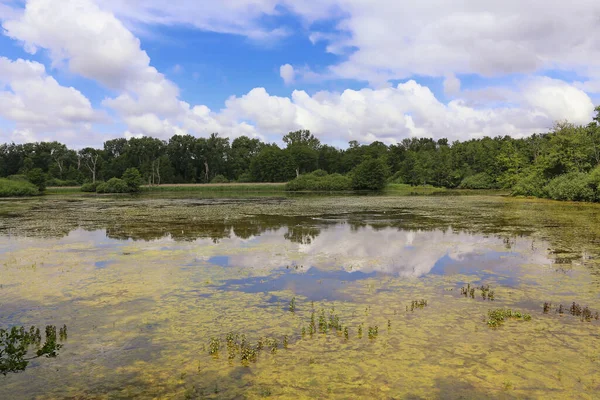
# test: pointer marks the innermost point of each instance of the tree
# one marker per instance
(89, 157)
(133, 179)
(302, 138)
(371, 174)
(38, 178)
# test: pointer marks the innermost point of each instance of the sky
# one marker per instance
(85, 71)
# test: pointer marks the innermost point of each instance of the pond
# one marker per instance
(304, 297)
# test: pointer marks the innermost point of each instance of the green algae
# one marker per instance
(141, 327)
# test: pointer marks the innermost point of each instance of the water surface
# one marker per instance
(144, 284)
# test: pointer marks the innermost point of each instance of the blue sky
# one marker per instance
(97, 70)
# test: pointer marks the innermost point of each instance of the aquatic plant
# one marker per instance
(360, 331)
(417, 304)
(497, 317)
(214, 346)
(547, 307)
(293, 305)
(486, 292)
(346, 333)
(373, 331)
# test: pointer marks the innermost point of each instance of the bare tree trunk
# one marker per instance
(158, 171)
(297, 172)
(206, 171)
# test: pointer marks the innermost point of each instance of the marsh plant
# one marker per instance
(17, 343)
(585, 313)
(417, 304)
(498, 316)
(238, 345)
(486, 292)
(293, 305)
(373, 331)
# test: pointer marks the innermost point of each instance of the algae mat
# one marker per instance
(304, 297)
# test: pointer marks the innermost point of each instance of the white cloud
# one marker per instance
(287, 73)
(37, 103)
(390, 40)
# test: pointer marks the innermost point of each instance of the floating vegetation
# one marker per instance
(214, 346)
(346, 334)
(497, 317)
(417, 304)
(360, 331)
(293, 305)
(16, 343)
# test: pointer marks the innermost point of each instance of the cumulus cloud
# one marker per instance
(36, 102)
(287, 73)
(388, 40)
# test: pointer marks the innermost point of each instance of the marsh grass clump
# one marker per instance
(346, 333)
(373, 331)
(547, 307)
(292, 306)
(360, 331)
(585, 313)
(468, 291)
(497, 317)
(486, 292)
(418, 304)
(214, 346)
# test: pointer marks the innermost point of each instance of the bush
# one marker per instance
(15, 188)
(530, 183)
(319, 182)
(113, 185)
(319, 172)
(19, 178)
(90, 187)
(61, 183)
(133, 180)
(478, 181)
(38, 178)
(246, 177)
(371, 174)
(219, 179)
(574, 186)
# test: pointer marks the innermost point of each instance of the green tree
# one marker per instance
(371, 174)
(133, 179)
(38, 178)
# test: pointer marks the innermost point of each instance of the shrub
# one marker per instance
(371, 174)
(20, 178)
(312, 182)
(90, 187)
(574, 186)
(530, 183)
(319, 172)
(14, 188)
(113, 185)
(478, 181)
(133, 180)
(246, 177)
(219, 179)
(61, 183)
(38, 178)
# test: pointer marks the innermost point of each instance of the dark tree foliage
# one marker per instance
(524, 165)
(371, 174)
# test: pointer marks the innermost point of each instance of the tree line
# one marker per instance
(498, 162)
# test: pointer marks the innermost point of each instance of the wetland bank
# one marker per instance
(183, 297)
